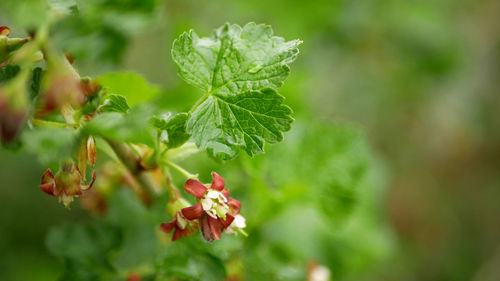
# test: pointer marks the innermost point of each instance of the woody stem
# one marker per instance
(132, 163)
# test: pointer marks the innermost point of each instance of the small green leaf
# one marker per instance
(131, 85)
(173, 129)
(240, 70)
(115, 103)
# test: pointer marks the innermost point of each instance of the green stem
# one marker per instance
(172, 191)
(180, 170)
(45, 123)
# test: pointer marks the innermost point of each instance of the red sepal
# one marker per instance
(48, 188)
(225, 192)
(209, 230)
(218, 182)
(215, 227)
(195, 188)
(234, 206)
(168, 226)
(227, 222)
(177, 234)
(47, 176)
(193, 212)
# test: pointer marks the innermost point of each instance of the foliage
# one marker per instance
(319, 187)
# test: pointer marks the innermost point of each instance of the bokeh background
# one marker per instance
(408, 95)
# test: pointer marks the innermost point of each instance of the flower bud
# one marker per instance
(134, 277)
(11, 120)
(61, 85)
(4, 31)
(82, 156)
(91, 151)
(13, 106)
(8, 45)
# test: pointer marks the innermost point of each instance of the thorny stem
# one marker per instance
(132, 163)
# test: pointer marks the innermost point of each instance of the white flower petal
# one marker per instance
(212, 194)
(181, 222)
(239, 221)
(206, 203)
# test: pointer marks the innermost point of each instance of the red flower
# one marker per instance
(65, 184)
(215, 210)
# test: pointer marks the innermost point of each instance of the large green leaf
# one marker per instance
(239, 69)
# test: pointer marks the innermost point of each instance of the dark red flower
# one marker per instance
(214, 210)
(65, 184)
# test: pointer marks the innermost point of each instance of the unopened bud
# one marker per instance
(13, 106)
(68, 113)
(4, 31)
(134, 277)
(91, 151)
(82, 157)
(61, 85)
(8, 45)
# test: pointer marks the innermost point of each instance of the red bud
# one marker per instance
(4, 31)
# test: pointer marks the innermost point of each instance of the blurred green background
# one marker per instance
(392, 170)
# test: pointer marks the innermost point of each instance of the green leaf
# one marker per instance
(238, 68)
(131, 127)
(329, 162)
(115, 103)
(138, 227)
(188, 261)
(85, 249)
(28, 14)
(225, 124)
(173, 129)
(8, 72)
(51, 144)
(131, 85)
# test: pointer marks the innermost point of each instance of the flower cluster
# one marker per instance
(215, 211)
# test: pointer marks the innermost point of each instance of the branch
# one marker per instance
(132, 163)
